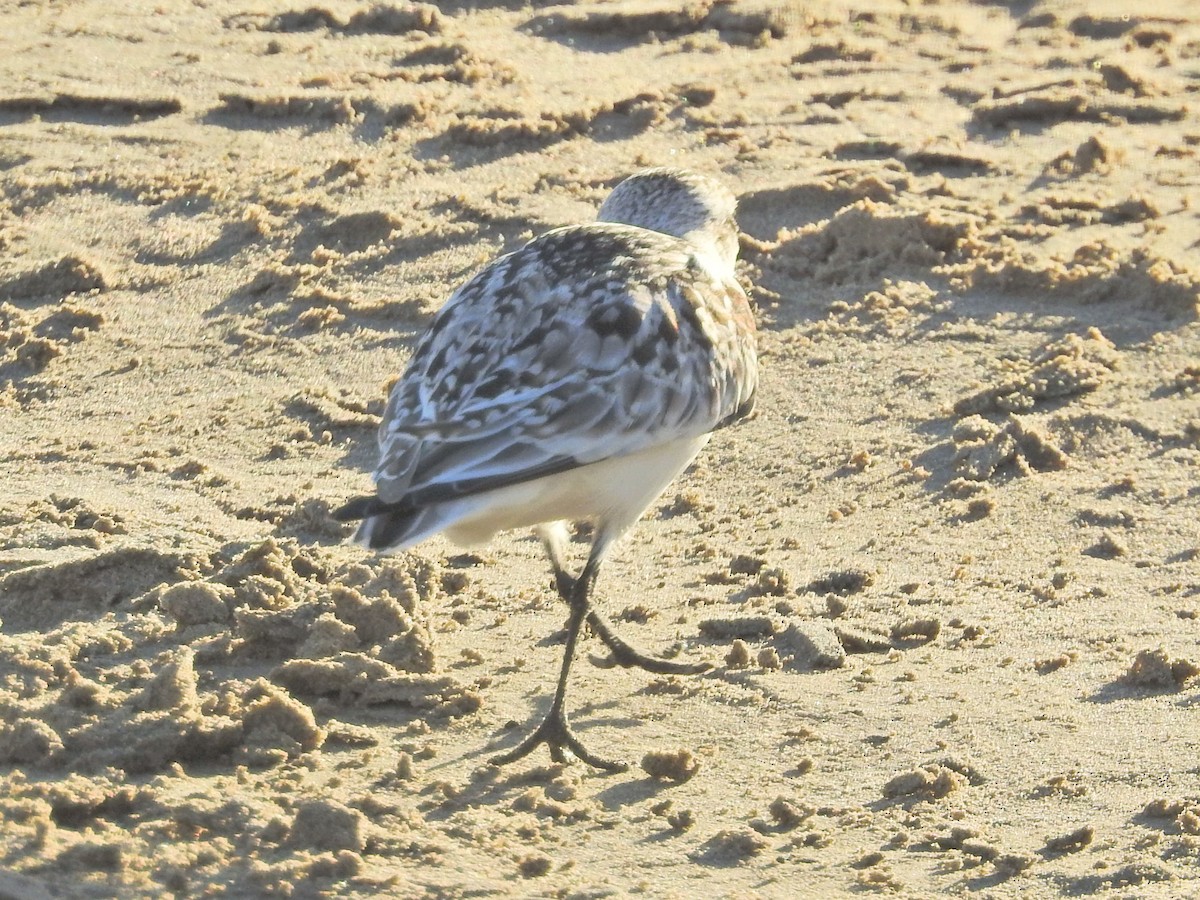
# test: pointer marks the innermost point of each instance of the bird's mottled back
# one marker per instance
(591, 341)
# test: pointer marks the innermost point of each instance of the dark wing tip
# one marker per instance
(357, 508)
(743, 410)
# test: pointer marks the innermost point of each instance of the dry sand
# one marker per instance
(949, 574)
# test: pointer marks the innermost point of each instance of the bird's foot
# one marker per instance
(626, 656)
(555, 732)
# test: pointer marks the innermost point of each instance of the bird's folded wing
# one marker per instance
(561, 379)
(526, 437)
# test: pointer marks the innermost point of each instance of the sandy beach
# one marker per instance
(948, 574)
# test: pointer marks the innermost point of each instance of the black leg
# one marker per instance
(622, 653)
(555, 731)
(626, 656)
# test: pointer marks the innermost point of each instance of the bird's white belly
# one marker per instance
(613, 493)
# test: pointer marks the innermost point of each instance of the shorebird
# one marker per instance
(571, 381)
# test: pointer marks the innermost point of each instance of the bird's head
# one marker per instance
(680, 203)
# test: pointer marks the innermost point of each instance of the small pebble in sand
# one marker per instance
(1072, 842)
(741, 564)
(328, 825)
(980, 508)
(879, 878)
(670, 765)
(787, 814)
(860, 460)
(1010, 864)
(768, 658)
(931, 781)
(1154, 669)
(843, 582)
(1053, 663)
(738, 627)
(681, 820)
(1109, 546)
(923, 630)
(731, 845)
(535, 865)
(738, 656)
(404, 767)
(771, 581)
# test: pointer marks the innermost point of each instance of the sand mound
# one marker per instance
(982, 449)
(1062, 369)
(1096, 272)
(31, 340)
(68, 275)
(87, 588)
(209, 667)
(867, 238)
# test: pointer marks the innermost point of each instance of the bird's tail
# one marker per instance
(389, 527)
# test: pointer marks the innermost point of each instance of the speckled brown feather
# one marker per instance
(591, 342)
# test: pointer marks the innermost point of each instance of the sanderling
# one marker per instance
(571, 381)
